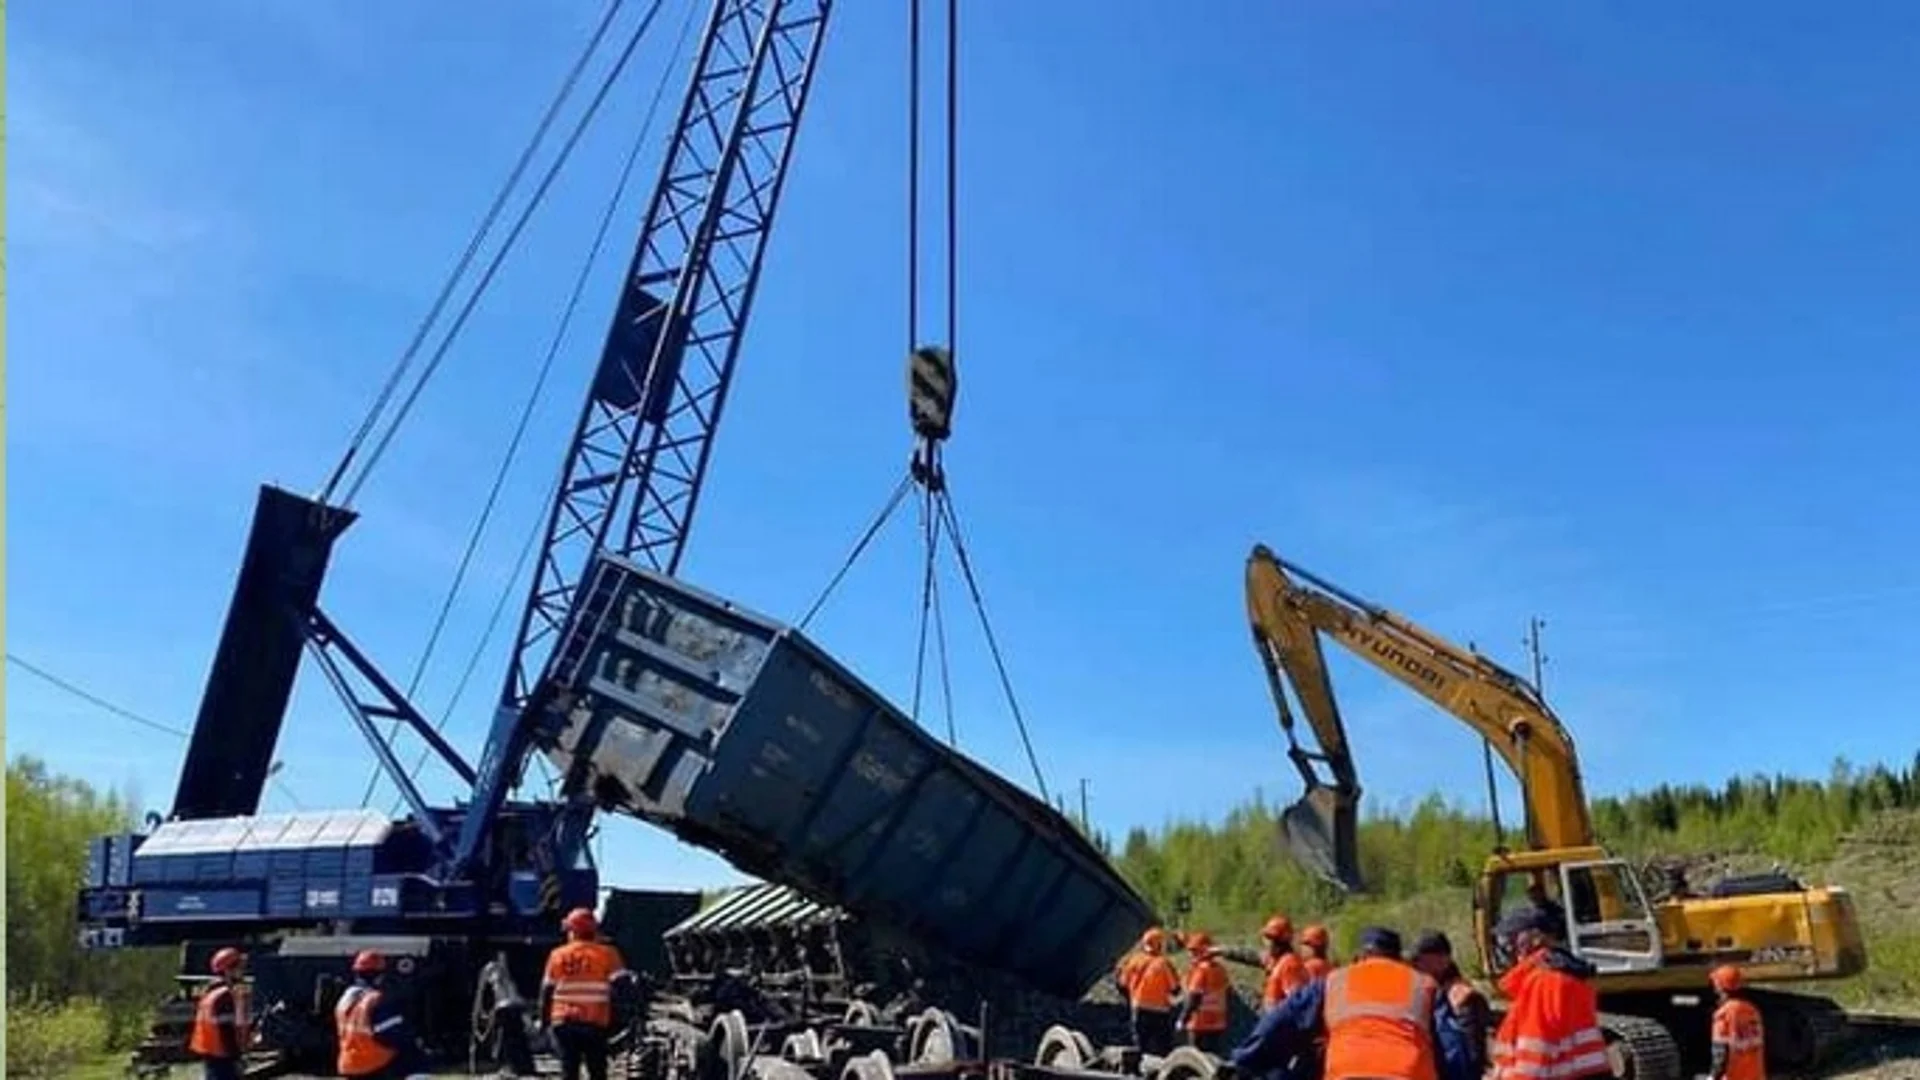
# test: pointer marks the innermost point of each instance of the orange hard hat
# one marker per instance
(1314, 937)
(1154, 939)
(1199, 942)
(227, 960)
(369, 962)
(1725, 978)
(1277, 929)
(580, 923)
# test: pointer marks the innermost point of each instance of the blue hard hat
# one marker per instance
(1379, 939)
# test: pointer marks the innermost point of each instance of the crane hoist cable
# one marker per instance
(459, 270)
(493, 266)
(932, 390)
(534, 395)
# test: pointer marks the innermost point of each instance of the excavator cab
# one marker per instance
(1597, 900)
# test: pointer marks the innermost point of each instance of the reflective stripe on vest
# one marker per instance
(581, 974)
(1582, 1053)
(361, 1053)
(1378, 1015)
(1415, 1009)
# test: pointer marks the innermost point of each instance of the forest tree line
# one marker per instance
(1234, 875)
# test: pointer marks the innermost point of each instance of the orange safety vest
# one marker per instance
(581, 973)
(1736, 1026)
(218, 1005)
(360, 1053)
(1285, 974)
(1552, 1027)
(1208, 979)
(1317, 967)
(1379, 1020)
(1154, 985)
(1129, 968)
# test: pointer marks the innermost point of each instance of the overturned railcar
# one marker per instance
(738, 734)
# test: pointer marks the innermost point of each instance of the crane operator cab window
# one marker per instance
(1603, 912)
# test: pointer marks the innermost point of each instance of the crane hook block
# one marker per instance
(932, 385)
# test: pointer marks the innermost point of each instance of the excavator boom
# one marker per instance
(1290, 608)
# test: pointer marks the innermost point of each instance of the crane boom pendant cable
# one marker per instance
(459, 270)
(534, 396)
(506, 247)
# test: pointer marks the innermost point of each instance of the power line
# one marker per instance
(128, 714)
(95, 700)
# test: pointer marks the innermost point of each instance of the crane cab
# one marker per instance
(1607, 919)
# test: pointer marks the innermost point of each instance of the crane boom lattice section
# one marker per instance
(646, 430)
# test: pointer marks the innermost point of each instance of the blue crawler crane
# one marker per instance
(451, 888)
(652, 699)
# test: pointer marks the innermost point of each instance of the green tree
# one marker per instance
(49, 821)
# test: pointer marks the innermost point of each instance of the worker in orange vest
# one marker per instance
(1382, 1020)
(1552, 1025)
(1123, 971)
(369, 1027)
(576, 996)
(1204, 1012)
(220, 1024)
(1314, 940)
(1739, 1039)
(1286, 972)
(1151, 984)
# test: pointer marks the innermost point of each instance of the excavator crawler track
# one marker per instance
(1640, 1049)
(1803, 1031)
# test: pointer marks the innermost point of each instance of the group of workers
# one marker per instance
(369, 1019)
(1390, 1016)
(1163, 1002)
(1377, 1017)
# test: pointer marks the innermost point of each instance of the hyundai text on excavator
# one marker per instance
(1653, 957)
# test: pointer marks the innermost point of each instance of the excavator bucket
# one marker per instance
(1321, 833)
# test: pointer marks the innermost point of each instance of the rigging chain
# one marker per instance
(520, 428)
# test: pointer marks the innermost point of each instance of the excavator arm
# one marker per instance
(1288, 616)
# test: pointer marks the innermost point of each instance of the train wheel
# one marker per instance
(1188, 1063)
(1064, 1048)
(871, 1066)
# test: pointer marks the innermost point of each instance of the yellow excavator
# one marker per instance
(1652, 957)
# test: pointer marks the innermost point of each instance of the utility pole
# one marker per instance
(1085, 825)
(1534, 626)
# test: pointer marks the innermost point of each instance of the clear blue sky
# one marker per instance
(1599, 313)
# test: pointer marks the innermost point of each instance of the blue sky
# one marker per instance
(1595, 313)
